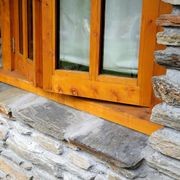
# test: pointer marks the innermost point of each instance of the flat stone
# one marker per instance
(51, 118)
(3, 175)
(167, 90)
(116, 144)
(174, 2)
(80, 161)
(164, 164)
(8, 154)
(12, 170)
(166, 141)
(48, 143)
(25, 147)
(173, 76)
(170, 57)
(169, 20)
(170, 36)
(4, 87)
(166, 115)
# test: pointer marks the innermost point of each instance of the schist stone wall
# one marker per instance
(163, 152)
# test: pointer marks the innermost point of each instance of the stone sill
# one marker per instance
(118, 145)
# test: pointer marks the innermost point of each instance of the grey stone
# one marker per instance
(117, 144)
(166, 90)
(80, 161)
(170, 57)
(51, 118)
(164, 164)
(166, 115)
(48, 143)
(52, 163)
(4, 87)
(166, 141)
(170, 36)
(13, 171)
(173, 76)
(3, 175)
(100, 177)
(174, 2)
(8, 154)
(26, 165)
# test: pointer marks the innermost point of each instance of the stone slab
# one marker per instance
(164, 164)
(170, 36)
(167, 90)
(166, 115)
(62, 122)
(121, 146)
(12, 170)
(170, 57)
(169, 20)
(166, 141)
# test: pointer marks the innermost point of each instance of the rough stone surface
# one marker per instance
(12, 171)
(68, 122)
(170, 57)
(166, 141)
(166, 90)
(166, 115)
(174, 2)
(48, 143)
(170, 36)
(80, 161)
(164, 164)
(106, 138)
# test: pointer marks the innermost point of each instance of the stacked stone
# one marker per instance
(164, 150)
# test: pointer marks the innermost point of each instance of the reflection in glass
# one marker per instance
(121, 37)
(74, 31)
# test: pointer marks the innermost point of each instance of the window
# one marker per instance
(100, 49)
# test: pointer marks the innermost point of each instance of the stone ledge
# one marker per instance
(166, 141)
(166, 115)
(65, 123)
(170, 57)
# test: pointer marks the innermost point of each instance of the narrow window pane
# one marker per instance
(74, 31)
(30, 28)
(121, 37)
(20, 16)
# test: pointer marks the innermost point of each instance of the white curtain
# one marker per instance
(121, 40)
(122, 31)
(75, 31)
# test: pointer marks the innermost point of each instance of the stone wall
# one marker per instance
(163, 152)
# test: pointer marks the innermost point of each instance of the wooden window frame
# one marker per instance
(136, 91)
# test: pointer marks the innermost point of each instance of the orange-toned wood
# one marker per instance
(22, 64)
(5, 7)
(95, 38)
(137, 91)
(136, 118)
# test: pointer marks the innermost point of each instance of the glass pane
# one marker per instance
(121, 37)
(30, 28)
(74, 32)
(20, 16)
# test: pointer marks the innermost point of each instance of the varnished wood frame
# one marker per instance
(28, 69)
(93, 85)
